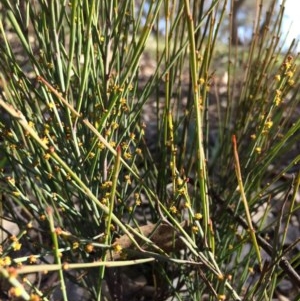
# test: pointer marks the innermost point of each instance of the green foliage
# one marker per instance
(108, 171)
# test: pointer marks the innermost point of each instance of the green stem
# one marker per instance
(198, 103)
(57, 253)
(244, 199)
(109, 218)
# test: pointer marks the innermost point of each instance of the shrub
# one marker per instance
(144, 186)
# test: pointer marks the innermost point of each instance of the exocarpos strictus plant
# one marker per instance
(136, 163)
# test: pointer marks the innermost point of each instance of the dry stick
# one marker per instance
(244, 199)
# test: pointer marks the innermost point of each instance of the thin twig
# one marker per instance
(243, 195)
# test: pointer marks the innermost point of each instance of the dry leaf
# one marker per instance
(163, 236)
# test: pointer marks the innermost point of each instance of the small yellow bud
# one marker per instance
(278, 77)
(16, 246)
(195, 229)
(198, 216)
(12, 272)
(65, 266)
(34, 297)
(138, 151)
(16, 193)
(258, 150)
(173, 209)
(16, 291)
(127, 155)
(117, 248)
(127, 179)
(89, 248)
(47, 156)
(32, 259)
(75, 245)
(269, 124)
(251, 270)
